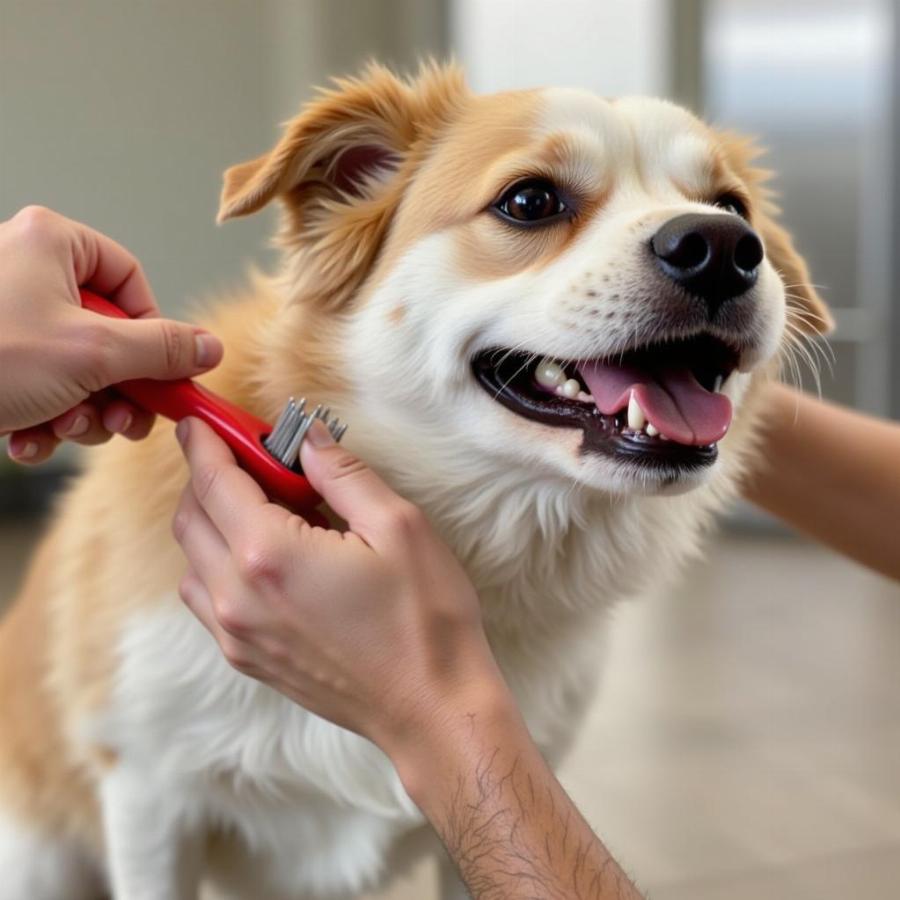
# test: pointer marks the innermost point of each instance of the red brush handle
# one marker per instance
(239, 429)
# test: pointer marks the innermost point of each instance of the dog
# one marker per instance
(547, 318)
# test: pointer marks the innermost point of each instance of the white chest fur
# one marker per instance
(306, 804)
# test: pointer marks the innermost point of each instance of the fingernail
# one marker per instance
(79, 426)
(26, 451)
(318, 435)
(181, 431)
(124, 425)
(207, 349)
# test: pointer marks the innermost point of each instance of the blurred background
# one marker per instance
(746, 741)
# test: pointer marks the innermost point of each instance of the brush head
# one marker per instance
(289, 431)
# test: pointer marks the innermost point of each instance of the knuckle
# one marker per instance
(206, 479)
(345, 465)
(258, 565)
(230, 618)
(173, 345)
(186, 588)
(236, 654)
(180, 524)
(405, 520)
(137, 269)
(37, 223)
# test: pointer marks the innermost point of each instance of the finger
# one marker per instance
(198, 600)
(158, 348)
(346, 483)
(32, 445)
(132, 422)
(82, 424)
(106, 266)
(205, 549)
(227, 494)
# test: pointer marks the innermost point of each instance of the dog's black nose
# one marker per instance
(715, 257)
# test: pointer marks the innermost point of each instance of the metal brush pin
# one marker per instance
(290, 430)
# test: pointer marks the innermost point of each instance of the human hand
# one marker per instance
(57, 358)
(377, 629)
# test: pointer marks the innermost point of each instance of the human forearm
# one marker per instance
(833, 474)
(507, 824)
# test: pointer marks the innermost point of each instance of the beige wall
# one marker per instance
(124, 114)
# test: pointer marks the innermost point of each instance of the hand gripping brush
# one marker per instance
(270, 454)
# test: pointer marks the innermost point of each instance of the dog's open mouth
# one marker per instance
(659, 405)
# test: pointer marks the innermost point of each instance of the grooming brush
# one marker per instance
(269, 453)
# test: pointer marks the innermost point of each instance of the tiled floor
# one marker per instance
(746, 743)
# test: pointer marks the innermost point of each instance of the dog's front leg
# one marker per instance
(152, 852)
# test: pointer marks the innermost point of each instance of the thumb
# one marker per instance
(346, 483)
(159, 348)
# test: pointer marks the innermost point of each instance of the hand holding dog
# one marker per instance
(57, 359)
(324, 616)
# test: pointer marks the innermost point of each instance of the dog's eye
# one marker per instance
(733, 204)
(534, 200)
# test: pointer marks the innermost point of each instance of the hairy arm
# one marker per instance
(833, 474)
(507, 824)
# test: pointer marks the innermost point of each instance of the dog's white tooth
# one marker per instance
(652, 430)
(662, 437)
(548, 374)
(636, 417)
(585, 398)
(717, 384)
(571, 389)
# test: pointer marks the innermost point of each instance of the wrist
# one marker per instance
(450, 729)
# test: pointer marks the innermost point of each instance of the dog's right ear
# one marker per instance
(343, 144)
(340, 171)
(243, 192)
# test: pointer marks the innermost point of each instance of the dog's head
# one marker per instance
(575, 285)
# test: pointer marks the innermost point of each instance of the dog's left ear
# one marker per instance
(805, 307)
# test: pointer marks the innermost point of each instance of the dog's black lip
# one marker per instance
(508, 378)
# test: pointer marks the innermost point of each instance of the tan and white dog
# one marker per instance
(545, 316)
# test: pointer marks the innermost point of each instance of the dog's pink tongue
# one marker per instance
(672, 400)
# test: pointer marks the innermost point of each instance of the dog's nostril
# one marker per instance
(687, 251)
(748, 253)
(691, 251)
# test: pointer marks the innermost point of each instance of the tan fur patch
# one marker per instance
(397, 315)
(39, 780)
(106, 757)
